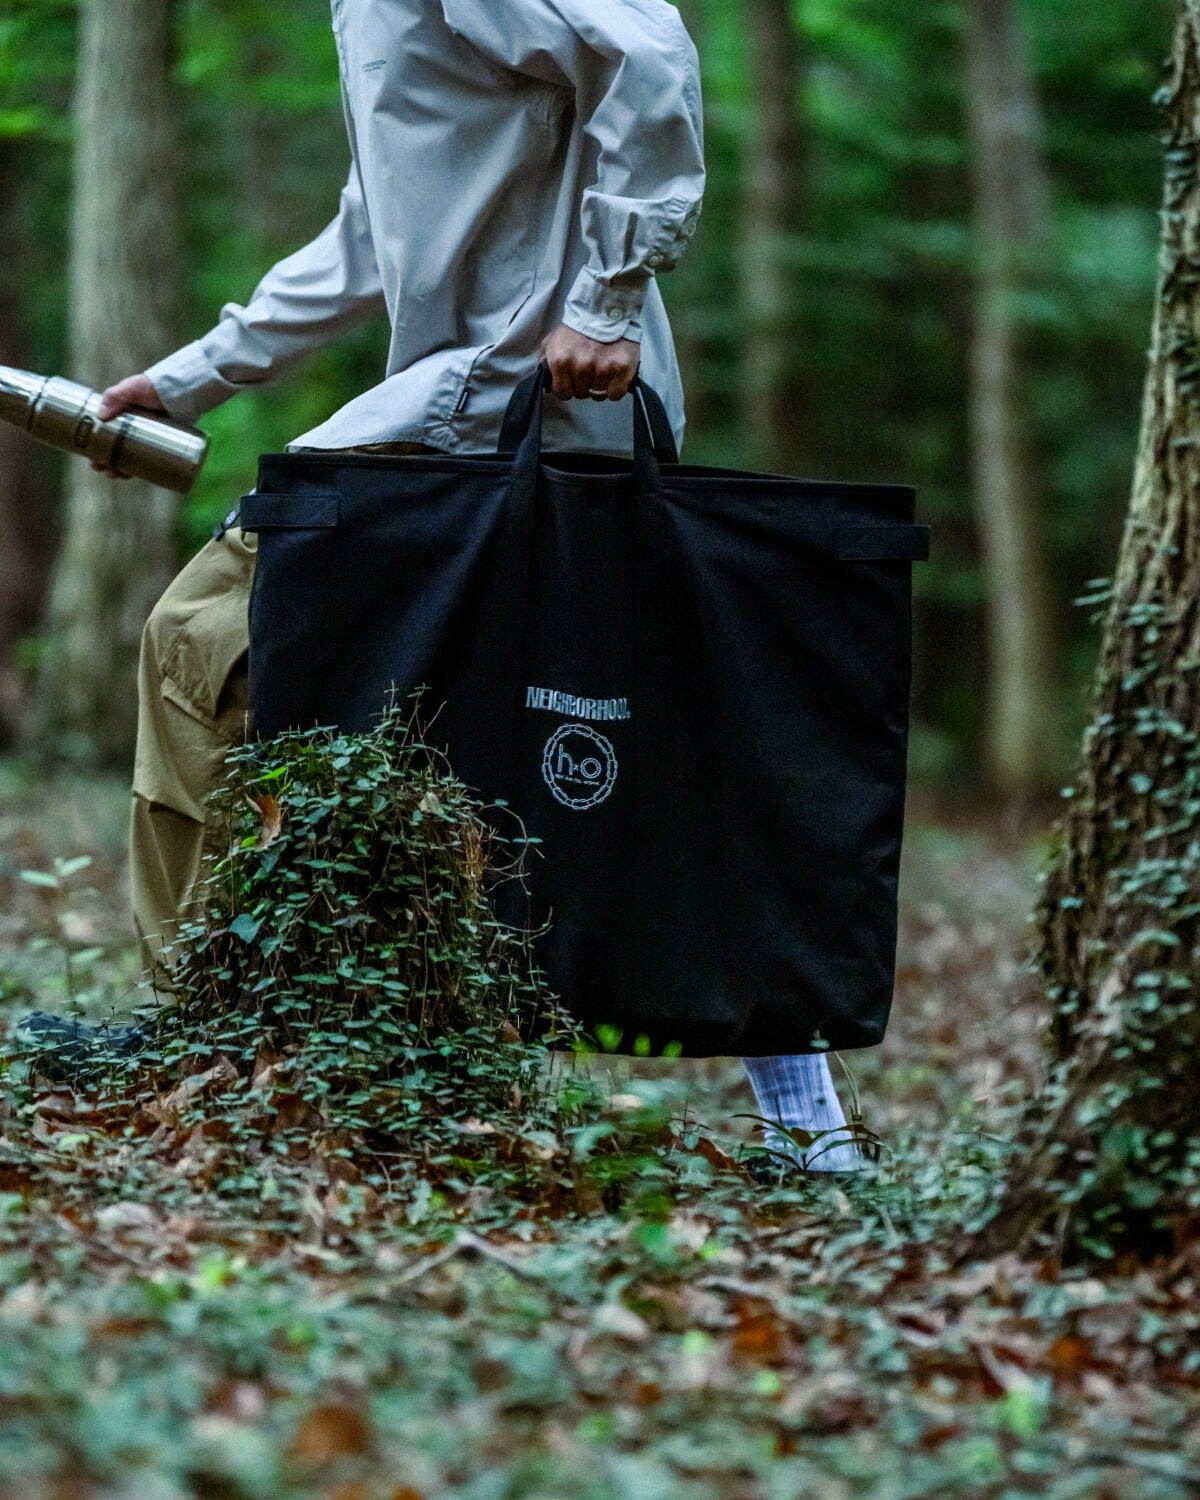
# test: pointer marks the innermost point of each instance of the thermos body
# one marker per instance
(66, 415)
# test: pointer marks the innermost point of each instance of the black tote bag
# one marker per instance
(691, 684)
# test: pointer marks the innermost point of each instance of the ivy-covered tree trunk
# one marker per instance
(1011, 225)
(1113, 1147)
(119, 547)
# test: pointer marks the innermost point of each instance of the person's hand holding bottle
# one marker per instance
(135, 390)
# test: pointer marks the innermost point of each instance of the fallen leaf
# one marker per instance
(169, 1108)
(621, 1321)
(760, 1336)
(270, 818)
(538, 1145)
(1069, 1355)
(349, 1489)
(710, 1151)
(114, 1217)
(330, 1431)
(63, 1105)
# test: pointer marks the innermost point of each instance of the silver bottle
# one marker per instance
(66, 415)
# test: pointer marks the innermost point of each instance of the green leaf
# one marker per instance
(245, 927)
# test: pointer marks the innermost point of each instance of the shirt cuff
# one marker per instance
(188, 383)
(605, 312)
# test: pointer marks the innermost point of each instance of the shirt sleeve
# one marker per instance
(303, 301)
(636, 79)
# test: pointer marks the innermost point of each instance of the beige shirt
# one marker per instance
(514, 164)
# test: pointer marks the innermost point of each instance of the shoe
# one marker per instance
(772, 1171)
(63, 1050)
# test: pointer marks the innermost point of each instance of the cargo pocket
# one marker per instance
(202, 663)
(191, 684)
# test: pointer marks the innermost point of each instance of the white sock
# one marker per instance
(798, 1091)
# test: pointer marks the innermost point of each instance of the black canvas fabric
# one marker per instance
(691, 684)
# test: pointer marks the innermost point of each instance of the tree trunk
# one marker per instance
(705, 407)
(26, 531)
(119, 545)
(771, 212)
(1010, 213)
(1107, 1150)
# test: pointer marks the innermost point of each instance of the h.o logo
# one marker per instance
(579, 765)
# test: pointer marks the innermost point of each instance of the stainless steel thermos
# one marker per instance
(65, 414)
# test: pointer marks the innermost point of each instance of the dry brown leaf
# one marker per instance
(169, 1108)
(270, 818)
(710, 1151)
(125, 1326)
(62, 1105)
(266, 1064)
(760, 1336)
(348, 1489)
(330, 1431)
(292, 1112)
(1001, 1376)
(1069, 1355)
(935, 1437)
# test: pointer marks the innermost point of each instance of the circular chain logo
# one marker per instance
(579, 765)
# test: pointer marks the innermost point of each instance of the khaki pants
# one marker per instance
(191, 710)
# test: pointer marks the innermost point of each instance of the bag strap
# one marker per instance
(525, 403)
(517, 537)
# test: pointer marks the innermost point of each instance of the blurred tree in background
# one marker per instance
(1011, 213)
(837, 315)
(118, 549)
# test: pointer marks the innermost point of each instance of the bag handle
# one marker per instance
(653, 444)
(526, 403)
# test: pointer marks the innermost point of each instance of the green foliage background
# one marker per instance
(882, 311)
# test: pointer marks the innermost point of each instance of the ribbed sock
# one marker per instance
(798, 1091)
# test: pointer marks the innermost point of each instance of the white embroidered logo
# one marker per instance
(579, 765)
(577, 707)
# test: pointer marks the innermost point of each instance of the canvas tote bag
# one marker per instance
(691, 685)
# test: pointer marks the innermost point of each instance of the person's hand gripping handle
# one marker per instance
(581, 367)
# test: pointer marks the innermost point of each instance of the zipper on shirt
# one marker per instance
(465, 392)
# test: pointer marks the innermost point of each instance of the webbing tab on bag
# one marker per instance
(266, 512)
(882, 543)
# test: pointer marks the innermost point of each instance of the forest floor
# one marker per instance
(171, 1330)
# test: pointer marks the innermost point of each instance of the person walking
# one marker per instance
(521, 171)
